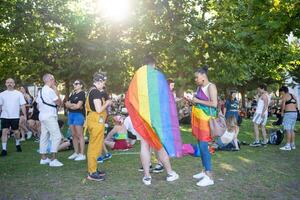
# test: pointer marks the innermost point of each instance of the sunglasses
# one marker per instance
(76, 83)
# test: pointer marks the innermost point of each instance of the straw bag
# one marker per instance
(217, 125)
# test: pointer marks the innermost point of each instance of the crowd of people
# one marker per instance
(88, 111)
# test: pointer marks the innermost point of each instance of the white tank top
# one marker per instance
(205, 90)
(260, 105)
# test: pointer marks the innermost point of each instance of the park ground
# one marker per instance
(252, 173)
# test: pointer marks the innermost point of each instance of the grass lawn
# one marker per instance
(252, 173)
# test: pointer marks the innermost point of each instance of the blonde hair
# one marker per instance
(231, 123)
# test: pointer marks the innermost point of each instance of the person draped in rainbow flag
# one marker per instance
(152, 109)
(205, 107)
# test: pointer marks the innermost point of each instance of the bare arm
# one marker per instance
(98, 105)
(58, 101)
(266, 103)
(111, 133)
(23, 108)
(283, 105)
(74, 106)
(213, 102)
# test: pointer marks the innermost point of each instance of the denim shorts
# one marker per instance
(289, 120)
(75, 119)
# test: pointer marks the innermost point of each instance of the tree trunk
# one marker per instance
(243, 99)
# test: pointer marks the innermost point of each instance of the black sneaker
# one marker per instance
(19, 148)
(255, 144)
(158, 168)
(101, 173)
(141, 169)
(3, 153)
(95, 177)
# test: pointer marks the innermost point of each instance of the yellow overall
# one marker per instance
(95, 125)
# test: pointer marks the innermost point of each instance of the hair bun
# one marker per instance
(203, 70)
(205, 67)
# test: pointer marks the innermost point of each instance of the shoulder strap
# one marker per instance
(48, 104)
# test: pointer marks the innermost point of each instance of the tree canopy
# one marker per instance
(244, 42)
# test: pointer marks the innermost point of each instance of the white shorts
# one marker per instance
(258, 119)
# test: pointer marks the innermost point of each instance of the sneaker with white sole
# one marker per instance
(199, 175)
(96, 176)
(286, 148)
(147, 180)
(158, 168)
(45, 161)
(172, 176)
(29, 135)
(255, 144)
(264, 142)
(73, 156)
(293, 146)
(55, 163)
(80, 157)
(205, 181)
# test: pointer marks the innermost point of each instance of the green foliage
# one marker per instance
(243, 42)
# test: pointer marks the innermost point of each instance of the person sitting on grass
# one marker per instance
(116, 139)
(230, 135)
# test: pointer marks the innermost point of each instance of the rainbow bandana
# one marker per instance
(152, 109)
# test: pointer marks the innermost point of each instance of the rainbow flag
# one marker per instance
(152, 109)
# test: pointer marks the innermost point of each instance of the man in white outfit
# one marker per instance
(48, 100)
(261, 116)
(10, 102)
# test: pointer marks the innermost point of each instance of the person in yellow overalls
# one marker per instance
(95, 119)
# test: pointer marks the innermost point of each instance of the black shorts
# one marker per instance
(10, 123)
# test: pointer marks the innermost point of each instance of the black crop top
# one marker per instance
(292, 100)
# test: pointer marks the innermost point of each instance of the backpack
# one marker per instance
(276, 137)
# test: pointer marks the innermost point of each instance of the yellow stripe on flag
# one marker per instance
(143, 94)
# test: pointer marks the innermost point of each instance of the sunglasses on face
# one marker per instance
(76, 83)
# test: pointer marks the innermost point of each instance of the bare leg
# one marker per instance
(79, 131)
(256, 131)
(5, 132)
(63, 146)
(17, 134)
(145, 157)
(293, 137)
(23, 127)
(109, 143)
(264, 133)
(75, 138)
(164, 158)
(289, 137)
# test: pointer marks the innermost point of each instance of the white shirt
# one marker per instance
(49, 97)
(227, 137)
(11, 100)
(129, 126)
(260, 105)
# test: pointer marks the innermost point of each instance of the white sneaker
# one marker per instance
(206, 181)
(199, 176)
(293, 146)
(73, 156)
(80, 157)
(286, 148)
(172, 177)
(147, 180)
(55, 163)
(22, 139)
(29, 135)
(45, 161)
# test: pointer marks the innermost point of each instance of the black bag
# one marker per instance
(276, 137)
